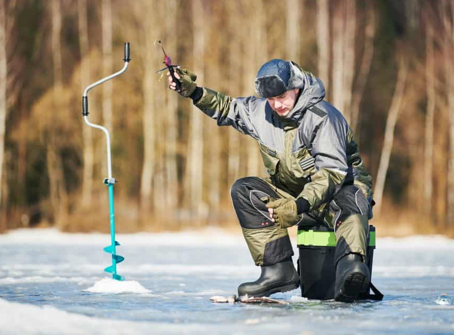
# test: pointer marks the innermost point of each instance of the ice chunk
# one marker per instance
(109, 285)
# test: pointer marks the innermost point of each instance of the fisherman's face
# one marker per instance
(284, 103)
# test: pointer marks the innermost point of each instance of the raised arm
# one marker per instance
(227, 111)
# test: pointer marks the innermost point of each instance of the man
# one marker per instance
(315, 175)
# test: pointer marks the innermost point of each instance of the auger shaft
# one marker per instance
(110, 181)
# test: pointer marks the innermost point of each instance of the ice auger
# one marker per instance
(110, 181)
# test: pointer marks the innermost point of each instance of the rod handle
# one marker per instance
(85, 106)
(127, 52)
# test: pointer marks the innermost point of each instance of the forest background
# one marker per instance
(387, 66)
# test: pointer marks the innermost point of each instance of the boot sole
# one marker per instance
(280, 289)
(354, 284)
(285, 288)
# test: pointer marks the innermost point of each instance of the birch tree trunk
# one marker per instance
(293, 29)
(87, 185)
(323, 41)
(158, 119)
(259, 49)
(58, 194)
(364, 70)
(3, 76)
(389, 136)
(149, 87)
(107, 63)
(448, 21)
(213, 133)
(234, 75)
(171, 114)
(195, 173)
(338, 58)
(429, 125)
(349, 57)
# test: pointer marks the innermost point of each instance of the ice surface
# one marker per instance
(109, 285)
(53, 283)
(210, 237)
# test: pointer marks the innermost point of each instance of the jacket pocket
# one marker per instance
(270, 159)
(303, 164)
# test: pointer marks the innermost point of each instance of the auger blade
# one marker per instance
(118, 258)
(118, 277)
(110, 248)
(110, 269)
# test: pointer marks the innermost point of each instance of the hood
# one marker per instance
(311, 88)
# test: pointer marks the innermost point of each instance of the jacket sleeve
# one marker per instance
(228, 111)
(329, 150)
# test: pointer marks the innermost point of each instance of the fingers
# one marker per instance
(172, 84)
(271, 212)
(265, 199)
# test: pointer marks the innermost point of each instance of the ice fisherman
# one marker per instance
(316, 175)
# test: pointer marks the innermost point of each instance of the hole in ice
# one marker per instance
(109, 285)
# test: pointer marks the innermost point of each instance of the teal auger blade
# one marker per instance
(118, 277)
(110, 248)
(110, 269)
(118, 258)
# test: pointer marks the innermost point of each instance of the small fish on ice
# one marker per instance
(443, 300)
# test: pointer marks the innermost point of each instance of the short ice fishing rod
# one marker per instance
(109, 181)
(169, 66)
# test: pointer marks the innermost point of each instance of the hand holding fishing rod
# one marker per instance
(180, 80)
(110, 181)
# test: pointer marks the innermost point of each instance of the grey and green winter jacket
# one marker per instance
(310, 153)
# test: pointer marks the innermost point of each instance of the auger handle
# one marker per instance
(127, 52)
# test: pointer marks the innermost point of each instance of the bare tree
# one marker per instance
(366, 62)
(323, 41)
(447, 16)
(106, 9)
(145, 10)
(234, 70)
(193, 188)
(87, 184)
(293, 32)
(259, 49)
(349, 57)
(58, 193)
(194, 177)
(171, 115)
(3, 76)
(344, 32)
(213, 133)
(338, 62)
(389, 135)
(429, 125)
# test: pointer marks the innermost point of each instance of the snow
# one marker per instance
(108, 285)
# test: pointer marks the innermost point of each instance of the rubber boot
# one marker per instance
(280, 277)
(352, 278)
